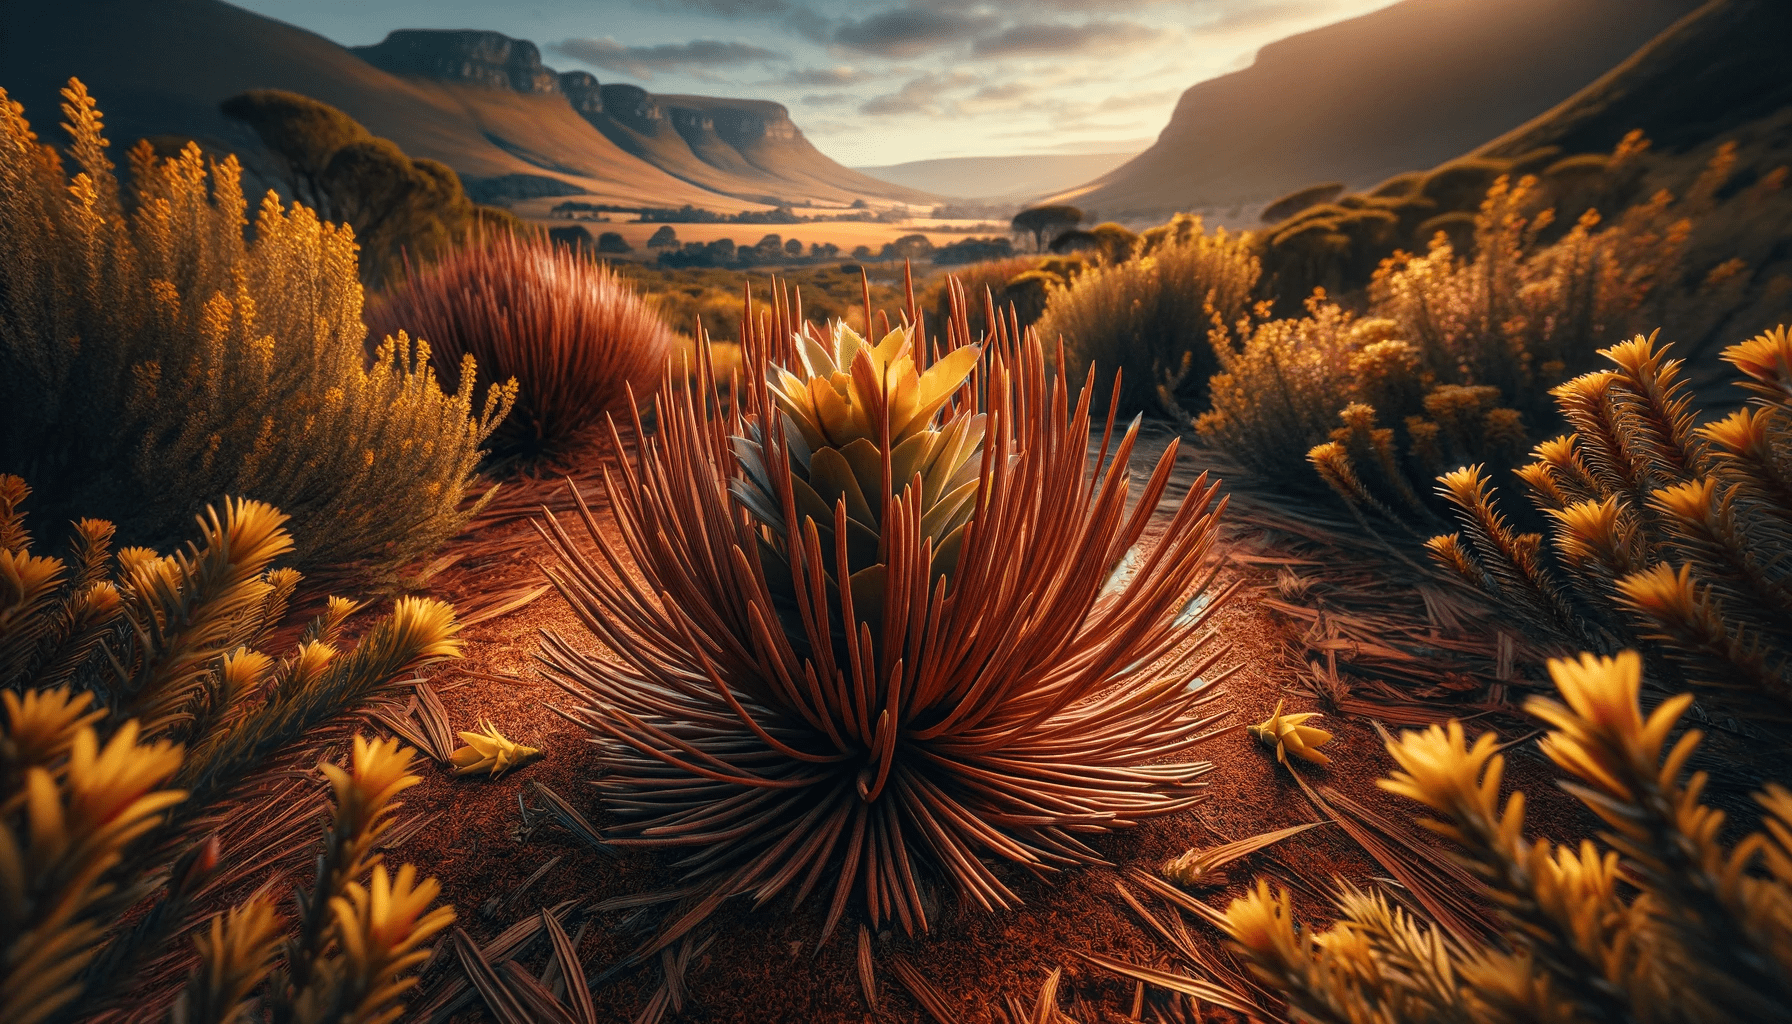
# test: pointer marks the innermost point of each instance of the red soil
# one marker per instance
(762, 966)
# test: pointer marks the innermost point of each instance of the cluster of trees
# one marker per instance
(575, 235)
(398, 206)
(772, 249)
(776, 251)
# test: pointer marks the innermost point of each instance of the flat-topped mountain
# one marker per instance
(473, 57)
(1410, 85)
(480, 102)
(747, 149)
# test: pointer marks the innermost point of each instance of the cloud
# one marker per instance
(696, 56)
(1244, 17)
(799, 19)
(1136, 100)
(1012, 95)
(827, 99)
(908, 31)
(734, 8)
(920, 95)
(1058, 38)
(838, 76)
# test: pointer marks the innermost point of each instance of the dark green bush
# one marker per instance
(400, 207)
(1295, 202)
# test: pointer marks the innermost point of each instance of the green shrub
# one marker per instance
(152, 360)
(1459, 185)
(571, 333)
(997, 280)
(1148, 317)
(1457, 227)
(1109, 241)
(142, 730)
(1307, 252)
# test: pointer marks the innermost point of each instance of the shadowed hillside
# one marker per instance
(1714, 71)
(1407, 86)
(489, 111)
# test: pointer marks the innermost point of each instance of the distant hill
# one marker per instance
(1407, 86)
(1013, 178)
(479, 102)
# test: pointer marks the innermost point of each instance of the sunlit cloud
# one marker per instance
(1056, 39)
(699, 57)
(909, 31)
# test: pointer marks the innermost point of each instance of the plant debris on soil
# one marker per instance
(507, 848)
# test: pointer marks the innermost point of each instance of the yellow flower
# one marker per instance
(1289, 735)
(489, 750)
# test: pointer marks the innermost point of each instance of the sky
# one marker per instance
(874, 82)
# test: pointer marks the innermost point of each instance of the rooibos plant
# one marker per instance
(996, 706)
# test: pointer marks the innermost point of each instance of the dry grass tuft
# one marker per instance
(572, 334)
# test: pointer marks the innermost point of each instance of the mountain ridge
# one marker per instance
(1409, 85)
(161, 70)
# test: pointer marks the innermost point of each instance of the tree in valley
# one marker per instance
(399, 207)
(1045, 223)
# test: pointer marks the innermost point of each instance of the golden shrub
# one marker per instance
(140, 723)
(152, 360)
(1280, 386)
(1666, 534)
(1148, 316)
(1664, 923)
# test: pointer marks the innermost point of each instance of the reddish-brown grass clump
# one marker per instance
(571, 332)
(788, 732)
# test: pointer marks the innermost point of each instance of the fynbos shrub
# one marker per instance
(152, 360)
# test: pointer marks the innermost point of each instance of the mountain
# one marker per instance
(746, 149)
(1011, 178)
(1717, 70)
(479, 102)
(1407, 86)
